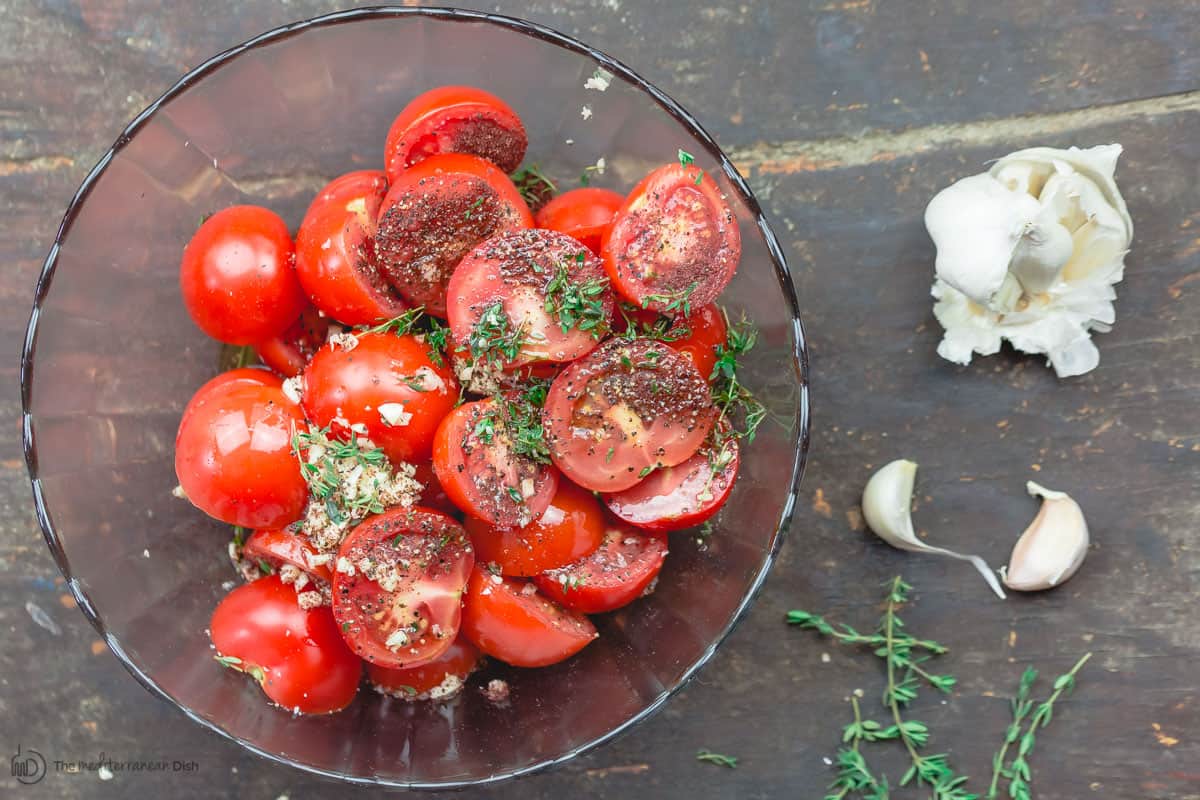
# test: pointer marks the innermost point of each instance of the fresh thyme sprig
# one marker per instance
(663, 328)
(853, 773)
(400, 325)
(575, 304)
(493, 338)
(1021, 706)
(678, 301)
(433, 331)
(739, 411)
(717, 758)
(533, 184)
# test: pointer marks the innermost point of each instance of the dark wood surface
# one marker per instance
(846, 116)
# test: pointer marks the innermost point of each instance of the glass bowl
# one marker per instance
(111, 357)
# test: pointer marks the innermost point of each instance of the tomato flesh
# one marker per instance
(289, 352)
(583, 214)
(616, 574)
(459, 660)
(681, 496)
(278, 546)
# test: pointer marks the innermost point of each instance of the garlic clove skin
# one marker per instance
(1053, 546)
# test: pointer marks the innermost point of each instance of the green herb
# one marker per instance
(474, 206)
(570, 582)
(514, 494)
(608, 456)
(205, 217)
(686, 159)
(853, 773)
(232, 662)
(408, 690)
(345, 627)
(232, 357)
(585, 177)
(414, 382)
(663, 328)
(578, 305)
(523, 424)
(436, 339)
(736, 405)
(265, 568)
(239, 537)
(493, 338)
(399, 325)
(533, 185)
(677, 302)
(646, 471)
(485, 429)
(716, 758)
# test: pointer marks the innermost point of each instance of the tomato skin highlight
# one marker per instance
(289, 353)
(238, 277)
(248, 376)
(615, 575)
(234, 460)
(455, 119)
(305, 664)
(707, 332)
(583, 214)
(280, 546)
(571, 527)
(460, 659)
(519, 628)
(678, 497)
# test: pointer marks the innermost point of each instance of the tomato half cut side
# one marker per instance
(484, 469)
(617, 573)
(434, 214)
(289, 352)
(625, 409)
(583, 214)
(510, 620)
(542, 287)
(278, 546)
(697, 335)
(455, 119)
(571, 527)
(437, 679)
(687, 494)
(397, 587)
(675, 244)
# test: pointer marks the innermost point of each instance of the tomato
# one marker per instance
(233, 456)
(247, 376)
(542, 284)
(674, 244)
(508, 619)
(289, 352)
(397, 591)
(386, 386)
(455, 119)
(625, 409)
(434, 214)
(571, 527)
(696, 336)
(476, 459)
(681, 496)
(458, 661)
(616, 574)
(432, 494)
(277, 546)
(335, 251)
(237, 276)
(259, 628)
(583, 214)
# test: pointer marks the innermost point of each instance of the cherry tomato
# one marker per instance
(696, 336)
(432, 494)
(434, 214)
(614, 575)
(233, 456)
(625, 409)
(335, 251)
(571, 527)
(277, 546)
(459, 660)
(583, 214)
(297, 655)
(678, 497)
(477, 463)
(289, 352)
(386, 384)
(508, 619)
(237, 276)
(247, 376)
(455, 119)
(397, 591)
(674, 244)
(541, 283)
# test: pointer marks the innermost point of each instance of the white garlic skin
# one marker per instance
(1052, 548)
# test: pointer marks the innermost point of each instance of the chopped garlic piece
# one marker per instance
(393, 414)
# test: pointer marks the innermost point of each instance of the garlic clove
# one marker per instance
(1052, 547)
(1044, 249)
(886, 505)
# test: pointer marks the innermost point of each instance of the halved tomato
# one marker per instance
(279, 546)
(674, 244)
(434, 213)
(488, 458)
(508, 619)
(627, 408)
(571, 527)
(541, 289)
(614, 575)
(458, 661)
(678, 497)
(397, 589)
(289, 352)
(697, 336)
(455, 119)
(432, 494)
(583, 214)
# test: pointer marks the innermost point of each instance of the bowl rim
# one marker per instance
(799, 359)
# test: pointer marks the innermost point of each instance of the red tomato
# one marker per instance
(289, 352)
(614, 575)
(459, 660)
(233, 456)
(571, 527)
(246, 376)
(696, 336)
(400, 602)
(509, 620)
(237, 276)
(277, 546)
(678, 497)
(627, 408)
(455, 119)
(388, 384)
(335, 251)
(583, 214)
(434, 214)
(674, 244)
(475, 462)
(304, 665)
(541, 283)
(432, 494)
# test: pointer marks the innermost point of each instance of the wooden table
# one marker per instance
(846, 117)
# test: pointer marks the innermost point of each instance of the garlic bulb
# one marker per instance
(1052, 547)
(886, 503)
(1029, 252)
